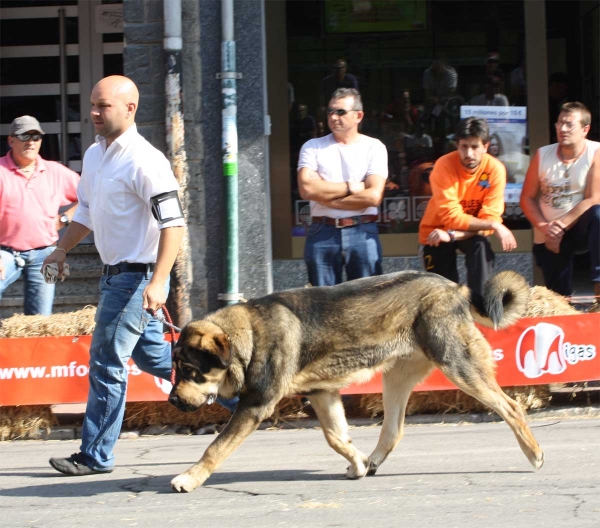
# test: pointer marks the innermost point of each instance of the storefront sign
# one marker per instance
(52, 370)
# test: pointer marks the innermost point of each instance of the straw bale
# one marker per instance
(454, 401)
(546, 303)
(76, 323)
(143, 414)
(25, 422)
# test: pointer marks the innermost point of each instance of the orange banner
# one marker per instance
(52, 370)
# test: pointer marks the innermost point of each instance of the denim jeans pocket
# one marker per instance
(145, 319)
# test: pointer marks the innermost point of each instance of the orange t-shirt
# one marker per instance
(458, 196)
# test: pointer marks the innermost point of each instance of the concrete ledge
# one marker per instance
(288, 274)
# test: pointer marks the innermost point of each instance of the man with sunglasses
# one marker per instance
(343, 175)
(31, 192)
(561, 199)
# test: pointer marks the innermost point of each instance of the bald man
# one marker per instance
(128, 197)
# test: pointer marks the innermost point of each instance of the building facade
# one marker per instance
(417, 63)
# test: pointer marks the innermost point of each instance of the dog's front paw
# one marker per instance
(373, 467)
(356, 471)
(184, 483)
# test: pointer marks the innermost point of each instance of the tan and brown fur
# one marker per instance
(318, 340)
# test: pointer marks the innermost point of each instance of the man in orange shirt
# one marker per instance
(466, 207)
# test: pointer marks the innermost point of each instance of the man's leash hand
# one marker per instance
(154, 297)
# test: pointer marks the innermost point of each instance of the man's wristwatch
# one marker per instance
(64, 219)
(452, 234)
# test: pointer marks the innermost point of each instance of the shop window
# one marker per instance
(420, 66)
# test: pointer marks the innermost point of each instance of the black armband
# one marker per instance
(166, 207)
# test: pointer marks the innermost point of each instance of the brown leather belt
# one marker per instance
(344, 222)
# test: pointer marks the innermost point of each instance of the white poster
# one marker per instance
(508, 143)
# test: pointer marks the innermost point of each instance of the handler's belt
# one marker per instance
(345, 222)
(126, 267)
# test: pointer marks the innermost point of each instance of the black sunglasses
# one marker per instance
(339, 112)
(27, 137)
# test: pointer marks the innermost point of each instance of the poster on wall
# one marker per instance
(374, 16)
(509, 143)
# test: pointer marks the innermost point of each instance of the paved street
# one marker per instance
(440, 475)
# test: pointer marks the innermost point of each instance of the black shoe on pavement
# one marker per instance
(74, 466)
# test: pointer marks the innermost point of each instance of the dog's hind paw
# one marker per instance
(184, 483)
(538, 462)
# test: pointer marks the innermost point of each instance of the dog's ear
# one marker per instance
(191, 337)
(222, 349)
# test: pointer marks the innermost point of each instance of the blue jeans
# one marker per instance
(328, 249)
(558, 267)
(39, 296)
(123, 330)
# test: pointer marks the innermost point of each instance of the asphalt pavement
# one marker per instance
(443, 475)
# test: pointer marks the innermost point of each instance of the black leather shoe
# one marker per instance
(74, 466)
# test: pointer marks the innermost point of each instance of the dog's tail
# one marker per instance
(504, 300)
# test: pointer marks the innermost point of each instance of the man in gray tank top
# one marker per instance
(561, 199)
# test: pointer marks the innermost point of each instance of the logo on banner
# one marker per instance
(542, 349)
(163, 385)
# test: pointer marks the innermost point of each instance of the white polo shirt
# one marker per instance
(338, 162)
(114, 197)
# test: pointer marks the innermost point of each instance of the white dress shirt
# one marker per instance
(114, 197)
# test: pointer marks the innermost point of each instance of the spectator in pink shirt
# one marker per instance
(31, 192)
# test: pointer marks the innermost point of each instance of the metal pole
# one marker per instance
(64, 125)
(228, 78)
(181, 275)
(269, 256)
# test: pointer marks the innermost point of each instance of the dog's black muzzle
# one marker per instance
(176, 402)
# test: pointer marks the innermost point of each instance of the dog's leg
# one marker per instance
(473, 373)
(398, 384)
(330, 412)
(242, 423)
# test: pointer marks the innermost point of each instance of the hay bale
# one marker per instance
(453, 401)
(546, 303)
(26, 422)
(144, 414)
(76, 323)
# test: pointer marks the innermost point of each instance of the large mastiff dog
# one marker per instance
(318, 340)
